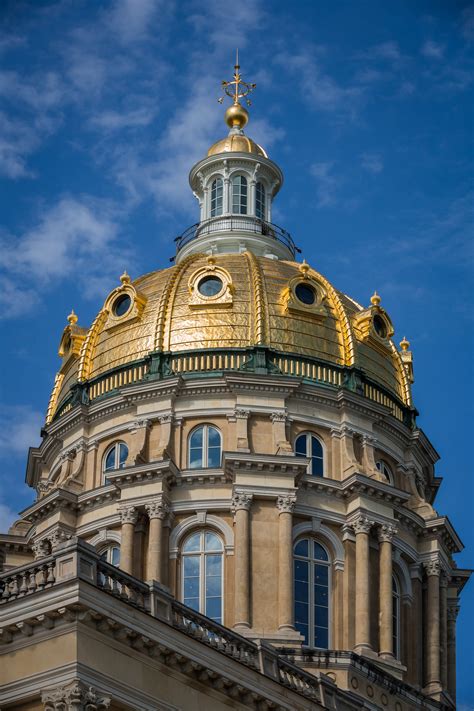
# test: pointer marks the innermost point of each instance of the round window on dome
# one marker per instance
(121, 305)
(380, 326)
(306, 294)
(210, 286)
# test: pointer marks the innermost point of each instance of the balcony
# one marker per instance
(239, 224)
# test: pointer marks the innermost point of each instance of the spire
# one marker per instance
(237, 115)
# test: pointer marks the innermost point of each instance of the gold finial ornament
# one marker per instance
(125, 279)
(375, 299)
(72, 318)
(236, 115)
(404, 344)
(304, 268)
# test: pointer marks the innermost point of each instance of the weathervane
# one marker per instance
(237, 89)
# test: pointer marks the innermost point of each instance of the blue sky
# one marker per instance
(105, 106)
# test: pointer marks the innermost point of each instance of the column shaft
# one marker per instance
(242, 568)
(451, 649)
(126, 548)
(385, 600)
(155, 549)
(362, 526)
(443, 631)
(285, 571)
(432, 665)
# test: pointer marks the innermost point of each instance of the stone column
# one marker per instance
(452, 614)
(415, 660)
(129, 517)
(386, 534)
(241, 419)
(362, 526)
(241, 503)
(157, 511)
(285, 505)
(443, 629)
(432, 665)
(76, 696)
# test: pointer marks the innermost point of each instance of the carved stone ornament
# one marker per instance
(157, 509)
(432, 567)
(292, 304)
(286, 503)
(387, 532)
(362, 524)
(40, 548)
(74, 697)
(278, 417)
(453, 612)
(241, 500)
(129, 514)
(241, 414)
(57, 537)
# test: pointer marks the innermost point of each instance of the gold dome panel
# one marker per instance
(237, 143)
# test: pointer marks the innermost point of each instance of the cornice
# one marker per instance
(201, 476)
(265, 463)
(56, 500)
(442, 529)
(128, 476)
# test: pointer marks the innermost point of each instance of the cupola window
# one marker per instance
(115, 458)
(217, 197)
(307, 445)
(239, 195)
(305, 293)
(380, 326)
(311, 588)
(121, 305)
(260, 201)
(202, 574)
(205, 448)
(210, 286)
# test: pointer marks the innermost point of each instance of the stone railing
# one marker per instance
(76, 561)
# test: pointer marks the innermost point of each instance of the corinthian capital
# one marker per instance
(387, 532)
(278, 417)
(74, 697)
(286, 503)
(241, 500)
(158, 508)
(128, 514)
(453, 611)
(432, 567)
(362, 524)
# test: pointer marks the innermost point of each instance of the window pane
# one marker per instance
(193, 543)
(195, 458)
(123, 454)
(301, 548)
(214, 608)
(196, 438)
(321, 637)
(260, 201)
(212, 542)
(301, 612)
(115, 556)
(319, 552)
(321, 594)
(213, 586)
(191, 587)
(302, 629)
(316, 448)
(214, 437)
(300, 446)
(213, 564)
(192, 602)
(214, 457)
(110, 460)
(301, 570)
(321, 616)
(301, 591)
(317, 466)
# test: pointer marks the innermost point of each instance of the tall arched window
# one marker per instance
(239, 195)
(396, 617)
(385, 470)
(205, 447)
(111, 555)
(260, 201)
(217, 197)
(202, 573)
(307, 445)
(115, 458)
(312, 586)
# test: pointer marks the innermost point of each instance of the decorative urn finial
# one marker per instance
(375, 299)
(404, 344)
(125, 279)
(237, 115)
(72, 318)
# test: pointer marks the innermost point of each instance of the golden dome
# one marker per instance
(236, 143)
(257, 306)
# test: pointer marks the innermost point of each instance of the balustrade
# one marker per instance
(27, 579)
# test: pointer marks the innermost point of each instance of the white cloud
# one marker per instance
(131, 20)
(20, 428)
(118, 120)
(372, 162)
(327, 184)
(389, 51)
(7, 517)
(432, 50)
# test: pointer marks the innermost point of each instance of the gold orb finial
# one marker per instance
(375, 299)
(72, 318)
(404, 344)
(236, 115)
(304, 268)
(125, 279)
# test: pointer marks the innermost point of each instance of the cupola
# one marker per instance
(235, 185)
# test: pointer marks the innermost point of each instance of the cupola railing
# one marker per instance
(238, 224)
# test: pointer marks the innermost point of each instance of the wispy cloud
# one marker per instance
(372, 162)
(118, 120)
(327, 184)
(19, 429)
(432, 50)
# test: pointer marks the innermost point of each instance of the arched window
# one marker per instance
(312, 586)
(260, 201)
(202, 573)
(239, 195)
(396, 617)
(217, 197)
(115, 458)
(385, 470)
(111, 555)
(307, 445)
(205, 448)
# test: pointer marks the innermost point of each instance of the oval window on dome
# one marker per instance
(305, 293)
(210, 286)
(121, 305)
(380, 326)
